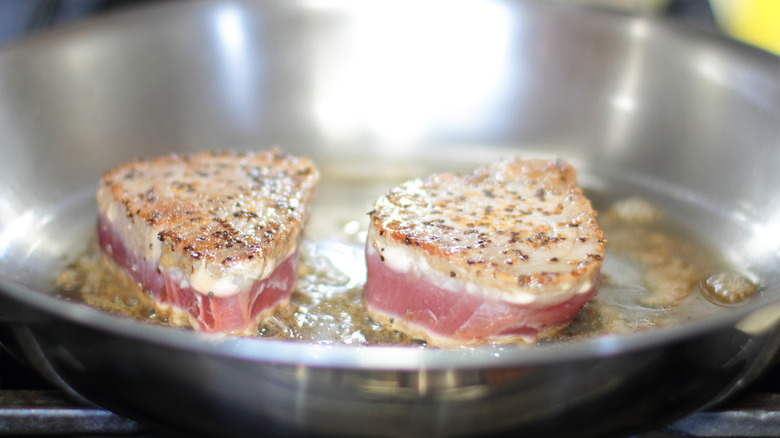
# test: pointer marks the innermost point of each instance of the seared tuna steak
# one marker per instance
(509, 252)
(212, 237)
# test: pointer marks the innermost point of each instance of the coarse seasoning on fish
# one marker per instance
(211, 237)
(509, 252)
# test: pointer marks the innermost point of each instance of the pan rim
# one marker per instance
(372, 358)
(129, 16)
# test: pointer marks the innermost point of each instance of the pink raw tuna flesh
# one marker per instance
(508, 253)
(212, 237)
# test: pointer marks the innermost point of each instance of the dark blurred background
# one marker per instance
(19, 18)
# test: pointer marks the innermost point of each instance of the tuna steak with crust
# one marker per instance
(211, 237)
(509, 252)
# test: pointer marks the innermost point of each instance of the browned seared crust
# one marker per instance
(222, 207)
(517, 225)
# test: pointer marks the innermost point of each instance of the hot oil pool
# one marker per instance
(655, 273)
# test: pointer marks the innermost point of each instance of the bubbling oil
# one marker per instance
(652, 276)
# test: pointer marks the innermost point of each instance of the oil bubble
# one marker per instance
(728, 288)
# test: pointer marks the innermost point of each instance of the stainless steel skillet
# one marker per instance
(686, 119)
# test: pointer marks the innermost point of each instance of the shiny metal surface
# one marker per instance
(641, 106)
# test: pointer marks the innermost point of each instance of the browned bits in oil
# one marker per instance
(728, 288)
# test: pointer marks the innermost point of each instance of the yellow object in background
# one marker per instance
(755, 22)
